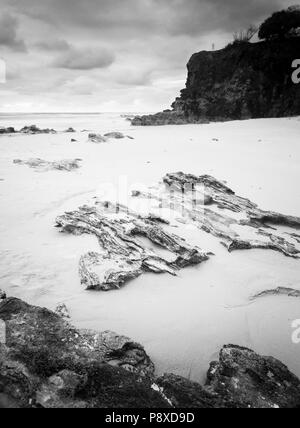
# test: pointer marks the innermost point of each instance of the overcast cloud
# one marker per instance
(111, 55)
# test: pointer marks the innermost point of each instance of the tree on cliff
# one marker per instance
(281, 24)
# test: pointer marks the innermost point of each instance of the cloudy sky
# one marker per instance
(110, 55)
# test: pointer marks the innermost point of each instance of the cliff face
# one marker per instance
(242, 81)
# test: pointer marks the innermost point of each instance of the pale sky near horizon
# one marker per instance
(110, 55)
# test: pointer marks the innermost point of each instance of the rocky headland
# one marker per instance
(242, 81)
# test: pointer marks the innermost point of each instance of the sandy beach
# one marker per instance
(182, 321)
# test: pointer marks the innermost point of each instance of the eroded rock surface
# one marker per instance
(215, 208)
(43, 165)
(47, 362)
(122, 256)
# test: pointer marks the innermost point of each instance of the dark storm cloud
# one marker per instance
(8, 33)
(189, 17)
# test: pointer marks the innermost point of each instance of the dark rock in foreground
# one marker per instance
(241, 379)
(48, 363)
(242, 81)
(245, 379)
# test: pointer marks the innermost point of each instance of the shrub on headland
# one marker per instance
(285, 23)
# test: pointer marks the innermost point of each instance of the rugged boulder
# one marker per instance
(241, 81)
(47, 362)
(240, 379)
(245, 379)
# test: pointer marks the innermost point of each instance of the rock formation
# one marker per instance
(9, 130)
(98, 138)
(33, 129)
(242, 81)
(122, 256)
(47, 363)
(215, 208)
(280, 291)
(42, 165)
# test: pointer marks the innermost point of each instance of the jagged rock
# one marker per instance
(9, 130)
(97, 138)
(184, 394)
(42, 165)
(73, 140)
(245, 379)
(240, 379)
(46, 362)
(248, 226)
(33, 129)
(280, 291)
(122, 256)
(2, 295)
(70, 130)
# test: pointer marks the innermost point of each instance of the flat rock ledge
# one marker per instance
(47, 363)
(44, 166)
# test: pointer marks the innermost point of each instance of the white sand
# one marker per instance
(181, 321)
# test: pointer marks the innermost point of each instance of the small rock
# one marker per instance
(116, 135)
(97, 138)
(62, 311)
(2, 295)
